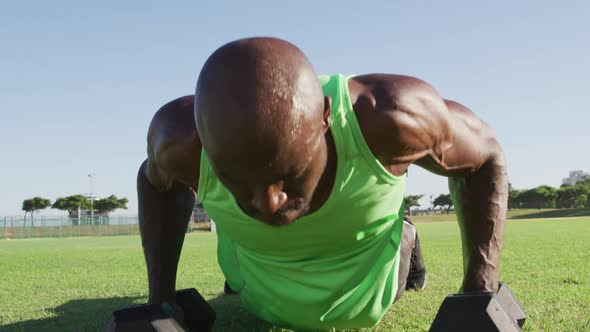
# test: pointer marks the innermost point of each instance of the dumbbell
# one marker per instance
(198, 315)
(481, 312)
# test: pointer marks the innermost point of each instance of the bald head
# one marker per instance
(262, 118)
(257, 93)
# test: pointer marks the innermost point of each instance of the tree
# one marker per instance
(444, 201)
(514, 199)
(583, 183)
(411, 201)
(538, 198)
(71, 204)
(571, 196)
(581, 201)
(108, 204)
(585, 186)
(34, 204)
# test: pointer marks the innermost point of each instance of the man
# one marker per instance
(305, 178)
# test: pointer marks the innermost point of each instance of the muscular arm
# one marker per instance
(165, 197)
(408, 122)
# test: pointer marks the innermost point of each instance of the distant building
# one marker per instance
(576, 176)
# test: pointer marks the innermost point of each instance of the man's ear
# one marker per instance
(327, 113)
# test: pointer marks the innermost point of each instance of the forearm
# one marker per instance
(480, 201)
(163, 219)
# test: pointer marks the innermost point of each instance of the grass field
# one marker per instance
(73, 284)
(513, 214)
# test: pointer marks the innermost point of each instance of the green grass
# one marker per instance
(73, 284)
(551, 213)
(513, 214)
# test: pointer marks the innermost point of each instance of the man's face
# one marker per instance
(276, 190)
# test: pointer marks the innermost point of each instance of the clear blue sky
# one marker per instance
(79, 83)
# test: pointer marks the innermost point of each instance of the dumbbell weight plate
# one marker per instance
(511, 304)
(476, 312)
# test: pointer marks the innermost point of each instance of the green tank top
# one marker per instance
(335, 268)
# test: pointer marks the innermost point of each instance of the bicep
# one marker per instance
(465, 145)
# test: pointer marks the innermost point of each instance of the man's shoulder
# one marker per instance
(175, 110)
(397, 114)
(173, 141)
(389, 101)
(388, 88)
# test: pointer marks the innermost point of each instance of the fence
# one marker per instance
(39, 227)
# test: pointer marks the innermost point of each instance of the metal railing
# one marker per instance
(41, 227)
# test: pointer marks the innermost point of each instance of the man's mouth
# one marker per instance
(288, 215)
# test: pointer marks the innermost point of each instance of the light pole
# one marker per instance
(91, 177)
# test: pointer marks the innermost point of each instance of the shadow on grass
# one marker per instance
(94, 314)
(232, 316)
(561, 213)
(75, 315)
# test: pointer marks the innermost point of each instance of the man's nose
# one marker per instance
(270, 199)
